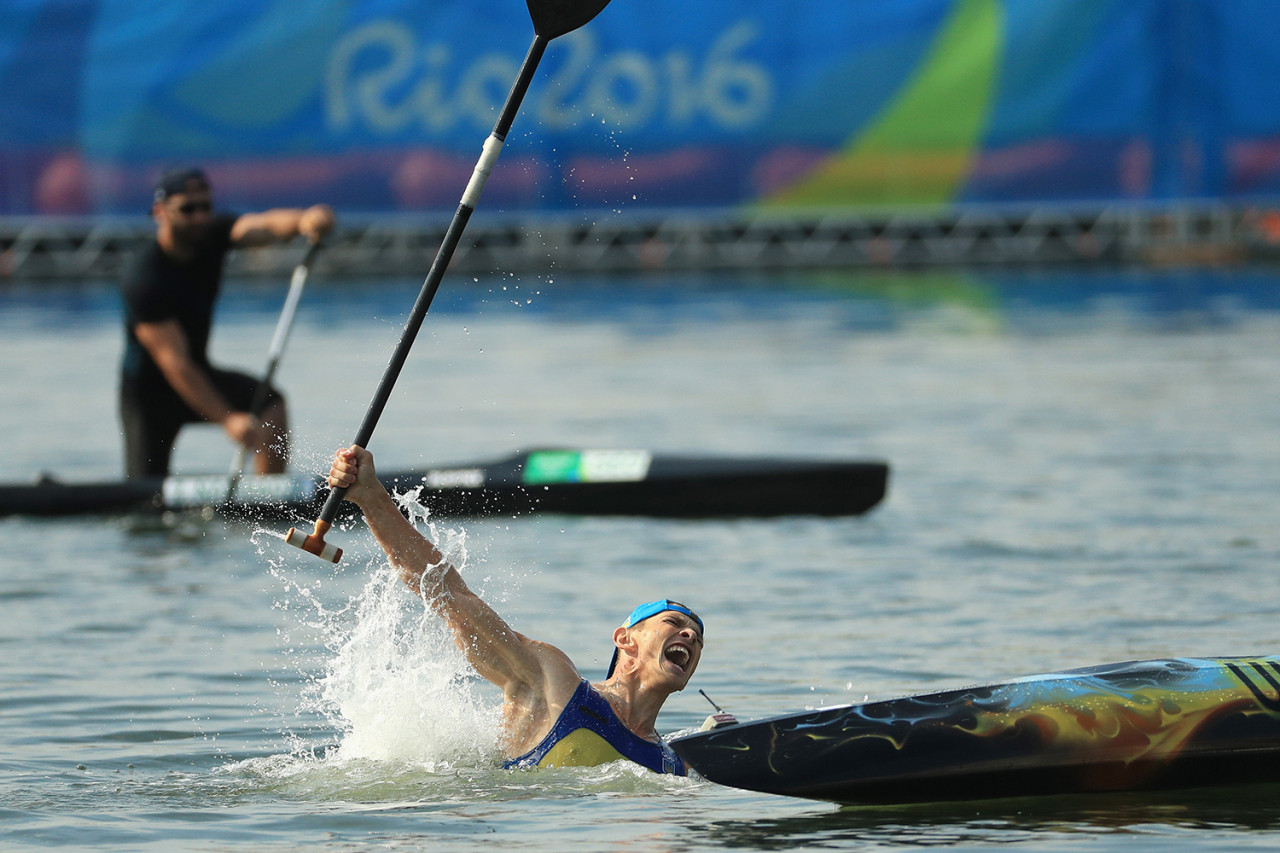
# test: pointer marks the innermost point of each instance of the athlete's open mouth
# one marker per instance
(678, 655)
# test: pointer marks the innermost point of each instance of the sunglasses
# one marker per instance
(194, 207)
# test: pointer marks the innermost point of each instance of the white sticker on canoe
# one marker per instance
(455, 478)
(615, 465)
(211, 490)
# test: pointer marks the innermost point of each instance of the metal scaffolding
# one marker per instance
(1185, 234)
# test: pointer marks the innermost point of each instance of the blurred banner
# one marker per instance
(382, 105)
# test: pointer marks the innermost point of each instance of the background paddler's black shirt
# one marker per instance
(158, 287)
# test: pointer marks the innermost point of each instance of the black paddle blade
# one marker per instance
(552, 18)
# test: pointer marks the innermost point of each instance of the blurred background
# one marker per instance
(666, 135)
(1022, 250)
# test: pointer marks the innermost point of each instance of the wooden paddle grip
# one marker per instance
(315, 544)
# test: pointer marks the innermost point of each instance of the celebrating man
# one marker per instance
(551, 715)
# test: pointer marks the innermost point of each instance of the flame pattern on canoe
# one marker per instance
(1126, 726)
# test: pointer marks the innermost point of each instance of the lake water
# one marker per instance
(1084, 470)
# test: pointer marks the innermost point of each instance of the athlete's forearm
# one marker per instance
(166, 343)
(278, 224)
(496, 651)
(193, 386)
(410, 552)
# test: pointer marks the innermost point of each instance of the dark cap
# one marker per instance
(179, 180)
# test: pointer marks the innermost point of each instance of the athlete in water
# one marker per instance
(551, 715)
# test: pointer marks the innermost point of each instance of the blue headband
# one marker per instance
(653, 608)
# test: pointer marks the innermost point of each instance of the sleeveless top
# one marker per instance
(588, 733)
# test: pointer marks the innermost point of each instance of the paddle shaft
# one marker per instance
(470, 197)
(274, 352)
(283, 327)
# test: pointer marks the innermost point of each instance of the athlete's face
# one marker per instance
(187, 215)
(671, 643)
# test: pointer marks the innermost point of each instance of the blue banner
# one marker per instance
(382, 105)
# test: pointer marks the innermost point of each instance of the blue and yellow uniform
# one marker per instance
(588, 733)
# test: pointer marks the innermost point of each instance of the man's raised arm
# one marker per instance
(498, 653)
(279, 224)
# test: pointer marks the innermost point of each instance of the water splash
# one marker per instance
(401, 688)
(391, 680)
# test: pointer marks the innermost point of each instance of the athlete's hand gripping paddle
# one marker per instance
(274, 352)
(551, 19)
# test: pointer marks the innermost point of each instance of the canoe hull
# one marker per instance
(544, 481)
(1146, 725)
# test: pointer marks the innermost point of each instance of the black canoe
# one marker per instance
(1132, 726)
(573, 482)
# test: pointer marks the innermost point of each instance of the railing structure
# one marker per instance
(1185, 234)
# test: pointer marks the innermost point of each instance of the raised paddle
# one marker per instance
(274, 352)
(551, 18)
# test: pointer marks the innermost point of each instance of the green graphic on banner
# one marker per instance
(908, 154)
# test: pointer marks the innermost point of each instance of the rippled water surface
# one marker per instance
(1084, 470)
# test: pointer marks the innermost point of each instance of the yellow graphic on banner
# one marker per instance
(921, 149)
